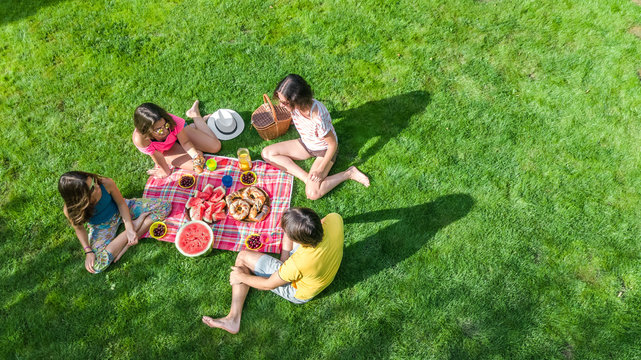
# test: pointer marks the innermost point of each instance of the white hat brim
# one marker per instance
(240, 124)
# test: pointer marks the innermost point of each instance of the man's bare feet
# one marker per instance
(228, 324)
(357, 175)
(194, 111)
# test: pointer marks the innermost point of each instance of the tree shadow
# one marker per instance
(381, 120)
(15, 10)
(414, 227)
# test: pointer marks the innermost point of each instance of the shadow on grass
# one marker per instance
(381, 120)
(414, 227)
(15, 10)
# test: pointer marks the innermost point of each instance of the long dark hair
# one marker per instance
(296, 91)
(302, 225)
(146, 116)
(77, 196)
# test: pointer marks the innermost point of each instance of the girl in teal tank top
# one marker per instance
(95, 202)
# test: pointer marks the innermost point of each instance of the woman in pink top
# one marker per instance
(164, 137)
(317, 139)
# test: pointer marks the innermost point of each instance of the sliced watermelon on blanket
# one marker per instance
(209, 211)
(208, 189)
(219, 206)
(197, 212)
(219, 216)
(202, 195)
(218, 194)
(193, 201)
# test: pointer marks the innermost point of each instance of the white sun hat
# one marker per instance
(226, 124)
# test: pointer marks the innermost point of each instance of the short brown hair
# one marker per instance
(302, 225)
(146, 116)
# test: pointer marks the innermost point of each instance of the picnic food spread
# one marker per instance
(207, 205)
(248, 204)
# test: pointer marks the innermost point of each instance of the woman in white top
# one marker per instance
(317, 139)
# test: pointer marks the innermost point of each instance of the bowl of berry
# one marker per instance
(186, 181)
(253, 242)
(248, 178)
(158, 229)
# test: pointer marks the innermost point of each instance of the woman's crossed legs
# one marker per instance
(283, 154)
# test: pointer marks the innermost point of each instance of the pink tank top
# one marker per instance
(165, 145)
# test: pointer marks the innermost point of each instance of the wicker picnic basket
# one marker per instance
(271, 121)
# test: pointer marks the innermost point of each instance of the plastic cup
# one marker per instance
(211, 164)
(265, 239)
(227, 181)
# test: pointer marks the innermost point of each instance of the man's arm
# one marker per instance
(242, 275)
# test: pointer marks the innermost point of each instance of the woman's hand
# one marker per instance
(158, 173)
(89, 261)
(132, 237)
(316, 176)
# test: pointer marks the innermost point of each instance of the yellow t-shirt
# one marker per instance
(312, 269)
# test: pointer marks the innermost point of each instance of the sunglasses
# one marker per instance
(92, 186)
(161, 130)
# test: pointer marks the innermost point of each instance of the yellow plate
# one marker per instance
(184, 176)
(248, 172)
(154, 226)
(247, 239)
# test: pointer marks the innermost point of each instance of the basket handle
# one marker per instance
(266, 100)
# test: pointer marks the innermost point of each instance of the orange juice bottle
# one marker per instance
(244, 160)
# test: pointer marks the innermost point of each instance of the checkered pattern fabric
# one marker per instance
(229, 234)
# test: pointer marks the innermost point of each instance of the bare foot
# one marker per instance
(139, 220)
(193, 111)
(226, 323)
(357, 175)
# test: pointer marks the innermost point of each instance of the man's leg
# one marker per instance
(231, 322)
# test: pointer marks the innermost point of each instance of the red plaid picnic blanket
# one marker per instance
(229, 234)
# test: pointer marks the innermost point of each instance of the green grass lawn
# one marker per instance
(501, 138)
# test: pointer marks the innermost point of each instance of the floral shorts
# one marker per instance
(100, 235)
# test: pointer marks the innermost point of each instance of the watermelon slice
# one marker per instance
(219, 216)
(207, 215)
(219, 206)
(194, 239)
(208, 189)
(196, 212)
(218, 194)
(193, 201)
(201, 195)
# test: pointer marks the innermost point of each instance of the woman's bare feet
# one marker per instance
(357, 175)
(228, 324)
(194, 110)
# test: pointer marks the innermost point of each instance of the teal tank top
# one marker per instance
(105, 208)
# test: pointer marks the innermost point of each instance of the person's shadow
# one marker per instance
(414, 227)
(13, 12)
(381, 120)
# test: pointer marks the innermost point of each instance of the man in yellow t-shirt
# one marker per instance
(312, 250)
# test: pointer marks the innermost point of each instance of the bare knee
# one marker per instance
(241, 258)
(313, 193)
(266, 154)
(213, 147)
